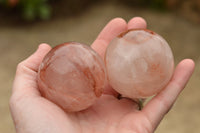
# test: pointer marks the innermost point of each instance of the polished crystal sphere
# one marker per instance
(72, 75)
(139, 63)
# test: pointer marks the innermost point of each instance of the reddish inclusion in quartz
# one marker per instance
(139, 63)
(72, 75)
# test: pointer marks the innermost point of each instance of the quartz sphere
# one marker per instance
(72, 75)
(139, 63)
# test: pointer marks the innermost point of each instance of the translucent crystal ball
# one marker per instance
(139, 63)
(72, 76)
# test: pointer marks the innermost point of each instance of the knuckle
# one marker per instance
(167, 105)
(20, 65)
(20, 68)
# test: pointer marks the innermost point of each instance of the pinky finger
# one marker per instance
(162, 102)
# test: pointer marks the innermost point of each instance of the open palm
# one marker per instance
(35, 114)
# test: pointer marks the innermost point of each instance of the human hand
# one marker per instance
(32, 113)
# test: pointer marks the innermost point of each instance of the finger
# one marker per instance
(35, 59)
(111, 30)
(162, 102)
(137, 23)
(26, 73)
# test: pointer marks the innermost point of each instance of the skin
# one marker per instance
(34, 114)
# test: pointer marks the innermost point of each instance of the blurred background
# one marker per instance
(24, 24)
